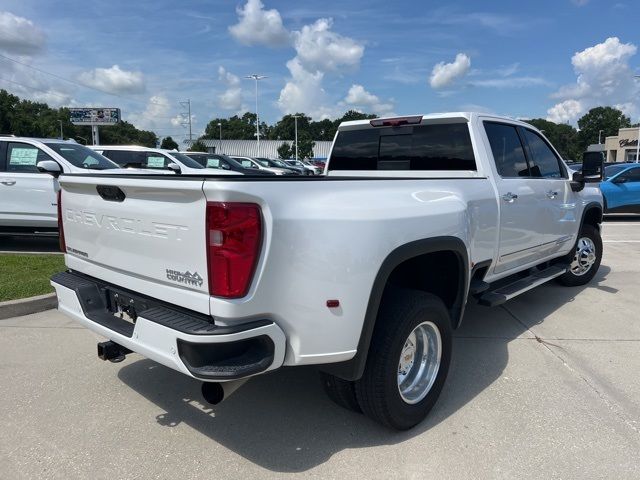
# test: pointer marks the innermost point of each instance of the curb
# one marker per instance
(26, 306)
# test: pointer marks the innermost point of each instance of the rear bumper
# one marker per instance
(182, 340)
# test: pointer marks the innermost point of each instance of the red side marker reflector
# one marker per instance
(333, 303)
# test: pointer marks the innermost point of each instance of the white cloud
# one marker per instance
(19, 35)
(320, 49)
(359, 97)
(304, 93)
(155, 114)
(604, 77)
(565, 111)
(257, 26)
(114, 80)
(231, 98)
(444, 74)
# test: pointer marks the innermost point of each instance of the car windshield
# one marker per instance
(612, 170)
(186, 161)
(81, 156)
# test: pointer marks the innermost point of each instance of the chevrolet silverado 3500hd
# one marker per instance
(364, 272)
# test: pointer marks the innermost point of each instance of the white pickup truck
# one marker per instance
(363, 272)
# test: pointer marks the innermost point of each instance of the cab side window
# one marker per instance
(507, 149)
(22, 157)
(631, 175)
(543, 161)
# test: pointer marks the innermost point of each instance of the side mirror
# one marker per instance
(226, 167)
(50, 167)
(175, 168)
(592, 167)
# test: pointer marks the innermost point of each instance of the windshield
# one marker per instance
(612, 170)
(186, 161)
(81, 156)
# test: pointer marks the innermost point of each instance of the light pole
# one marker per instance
(638, 141)
(220, 127)
(295, 119)
(599, 136)
(61, 134)
(256, 77)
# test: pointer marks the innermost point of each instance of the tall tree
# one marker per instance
(563, 137)
(607, 119)
(284, 151)
(198, 146)
(305, 146)
(323, 130)
(169, 143)
(285, 129)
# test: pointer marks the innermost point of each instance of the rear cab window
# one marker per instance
(445, 146)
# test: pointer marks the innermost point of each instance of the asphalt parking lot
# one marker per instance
(545, 387)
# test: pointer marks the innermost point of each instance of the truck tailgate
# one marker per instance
(147, 235)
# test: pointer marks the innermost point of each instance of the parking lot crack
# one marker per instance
(611, 406)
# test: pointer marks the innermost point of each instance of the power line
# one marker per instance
(81, 85)
(35, 88)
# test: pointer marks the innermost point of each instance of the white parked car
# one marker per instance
(364, 272)
(28, 195)
(127, 156)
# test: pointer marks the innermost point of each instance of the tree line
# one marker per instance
(36, 119)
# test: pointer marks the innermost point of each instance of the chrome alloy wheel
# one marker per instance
(584, 258)
(419, 362)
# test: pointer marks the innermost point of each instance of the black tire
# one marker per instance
(377, 391)
(572, 279)
(342, 392)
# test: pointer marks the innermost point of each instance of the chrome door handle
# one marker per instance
(509, 197)
(8, 182)
(551, 194)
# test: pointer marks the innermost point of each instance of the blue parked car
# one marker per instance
(621, 188)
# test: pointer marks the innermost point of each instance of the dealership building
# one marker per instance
(622, 147)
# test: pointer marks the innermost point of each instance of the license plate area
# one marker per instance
(124, 306)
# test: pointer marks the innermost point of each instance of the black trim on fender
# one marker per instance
(590, 206)
(354, 368)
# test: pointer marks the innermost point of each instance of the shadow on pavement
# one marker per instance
(283, 421)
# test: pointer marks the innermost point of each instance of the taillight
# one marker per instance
(234, 235)
(63, 246)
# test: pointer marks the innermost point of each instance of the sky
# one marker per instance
(529, 59)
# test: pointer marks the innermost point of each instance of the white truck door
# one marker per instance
(523, 223)
(554, 190)
(27, 197)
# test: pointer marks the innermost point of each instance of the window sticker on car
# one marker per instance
(23, 156)
(155, 162)
(213, 163)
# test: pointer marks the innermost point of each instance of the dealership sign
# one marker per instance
(95, 116)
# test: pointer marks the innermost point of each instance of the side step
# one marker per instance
(503, 293)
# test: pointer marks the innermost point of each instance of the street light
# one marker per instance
(256, 77)
(295, 119)
(61, 134)
(599, 133)
(220, 127)
(638, 141)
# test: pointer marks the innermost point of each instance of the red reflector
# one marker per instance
(234, 235)
(63, 246)
(333, 303)
(396, 122)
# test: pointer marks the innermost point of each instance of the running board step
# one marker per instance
(501, 294)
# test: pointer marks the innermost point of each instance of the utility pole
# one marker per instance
(61, 134)
(187, 114)
(220, 127)
(257, 77)
(295, 119)
(599, 136)
(637, 77)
